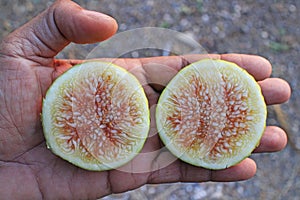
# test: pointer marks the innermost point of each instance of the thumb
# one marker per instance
(48, 33)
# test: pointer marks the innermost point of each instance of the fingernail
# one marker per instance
(97, 15)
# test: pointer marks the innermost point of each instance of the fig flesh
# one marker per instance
(211, 114)
(96, 116)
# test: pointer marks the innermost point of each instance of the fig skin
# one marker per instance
(212, 114)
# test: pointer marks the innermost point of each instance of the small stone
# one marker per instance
(135, 54)
(218, 193)
(184, 22)
(205, 18)
(168, 18)
(215, 29)
(264, 34)
(123, 26)
(237, 8)
(189, 188)
(292, 8)
(151, 190)
(240, 190)
(199, 193)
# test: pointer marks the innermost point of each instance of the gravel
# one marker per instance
(268, 28)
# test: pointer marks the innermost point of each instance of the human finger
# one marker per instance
(48, 33)
(275, 90)
(259, 67)
(183, 172)
(274, 139)
(160, 70)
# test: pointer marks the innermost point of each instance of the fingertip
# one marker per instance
(242, 171)
(286, 89)
(275, 90)
(273, 140)
(263, 62)
(259, 67)
(101, 26)
(83, 26)
(49, 32)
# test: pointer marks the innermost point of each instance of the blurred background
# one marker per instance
(269, 28)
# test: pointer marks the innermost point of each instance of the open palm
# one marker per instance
(28, 170)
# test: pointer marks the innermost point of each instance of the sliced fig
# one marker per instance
(96, 116)
(211, 114)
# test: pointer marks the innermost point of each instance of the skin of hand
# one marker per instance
(28, 170)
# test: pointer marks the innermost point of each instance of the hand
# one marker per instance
(28, 170)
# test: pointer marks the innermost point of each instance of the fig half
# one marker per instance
(96, 116)
(211, 114)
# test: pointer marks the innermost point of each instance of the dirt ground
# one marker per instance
(269, 28)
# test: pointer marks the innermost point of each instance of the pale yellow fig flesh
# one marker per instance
(212, 114)
(96, 116)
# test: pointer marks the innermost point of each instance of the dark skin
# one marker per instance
(28, 170)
